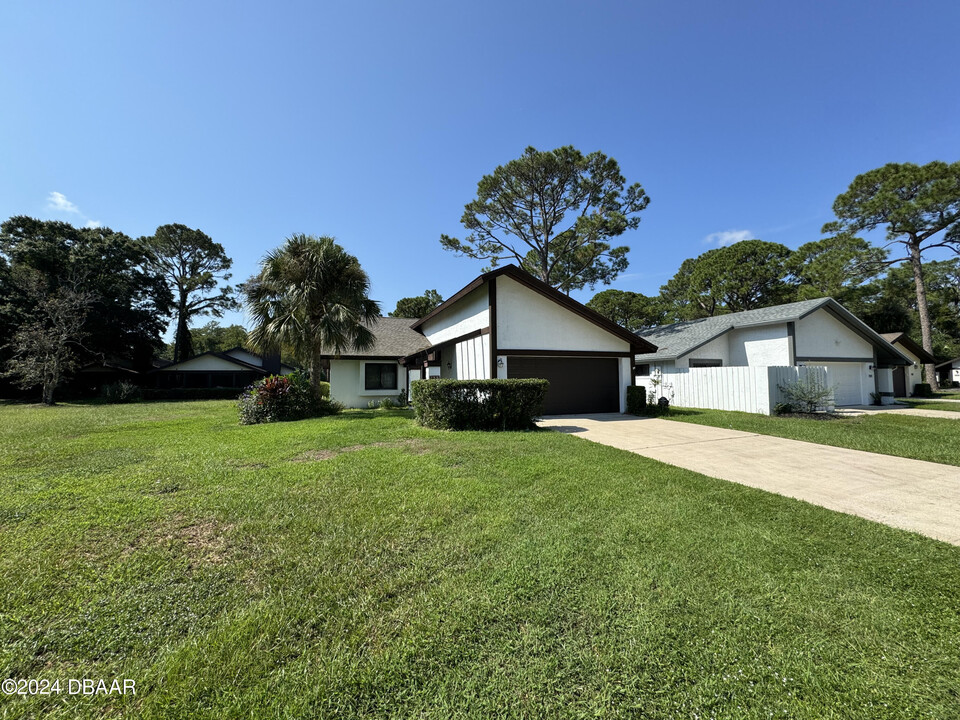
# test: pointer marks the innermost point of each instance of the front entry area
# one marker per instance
(577, 384)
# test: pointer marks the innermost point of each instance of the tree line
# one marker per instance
(71, 296)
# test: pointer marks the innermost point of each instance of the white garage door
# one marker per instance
(847, 378)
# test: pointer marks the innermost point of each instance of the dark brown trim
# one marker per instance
(563, 353)
(705, 342)
(908, 344)
(804, 358)
(492, 314)
(792, 342)
(526, 279)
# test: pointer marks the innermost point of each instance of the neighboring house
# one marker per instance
(906, 377)
(233, 368)
(949, 372)
(812, 332)
(504, 324)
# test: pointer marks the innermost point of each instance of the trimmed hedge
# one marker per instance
(922, 390)
(478, 404)
(636, 399)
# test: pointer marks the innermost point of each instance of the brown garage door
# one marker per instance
(577, 385)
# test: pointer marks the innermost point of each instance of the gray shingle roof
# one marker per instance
(675, 340)
(395, 338)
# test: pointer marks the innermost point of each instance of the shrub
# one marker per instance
(808, 394)
(479, 404)
(922, 390)
(283, 397)
(636, 399)
(782, 408)
(324, 389)
(121, 392)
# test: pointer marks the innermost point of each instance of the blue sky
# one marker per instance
(373, 121)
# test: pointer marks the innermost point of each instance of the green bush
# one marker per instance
(283, 397)
(808, 394)
(636, 400)
(324, 389)
(782, 408)
(121, 392)
(478, 404)
(922, 390)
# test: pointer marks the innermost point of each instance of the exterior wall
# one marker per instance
(472, 358)
(912, 374)
(657, 370)
(821, 335)
(526, 320)
(764, 346)
(716, 349)
(469, 314)
(203, 363)
(885, 385)
(346, 383)
(853, 381)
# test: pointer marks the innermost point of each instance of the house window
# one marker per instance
(380, 376)
(643, 370)
(704, 362)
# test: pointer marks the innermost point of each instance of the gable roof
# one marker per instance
(949, 363)
(638, 344)
(222, 355)
(395, 338)
(901, 338)
(679, 339)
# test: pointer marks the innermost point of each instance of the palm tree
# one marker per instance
(311, 296)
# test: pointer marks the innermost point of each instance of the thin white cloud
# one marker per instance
(58, 201)
(727, 237)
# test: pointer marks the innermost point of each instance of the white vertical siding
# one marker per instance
(746, 389)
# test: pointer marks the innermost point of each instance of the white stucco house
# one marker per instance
(503, 324)
(906, 377)
(808, 333)
(949, 372)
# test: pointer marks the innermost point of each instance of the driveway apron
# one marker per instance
(914, 495)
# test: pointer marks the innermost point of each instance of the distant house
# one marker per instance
(906, 377)
(503, 324)
(233, 368)
(949, 371)
(809, 333)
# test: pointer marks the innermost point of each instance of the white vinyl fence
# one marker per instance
(748, 389)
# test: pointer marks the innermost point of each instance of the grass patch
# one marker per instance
(925, 405)
(362, 566)
(909, 436)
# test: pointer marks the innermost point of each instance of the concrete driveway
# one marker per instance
(910, 494)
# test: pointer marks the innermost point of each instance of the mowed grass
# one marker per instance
(910, 436)
(949, 406)
(363, 567)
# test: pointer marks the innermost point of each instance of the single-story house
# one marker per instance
(949, 371)
(811, 332)
(906, 377)
(233, 368)
(503, 324)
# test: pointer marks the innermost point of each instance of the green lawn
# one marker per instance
(910, 436)
(361, 566)
(926, 405)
